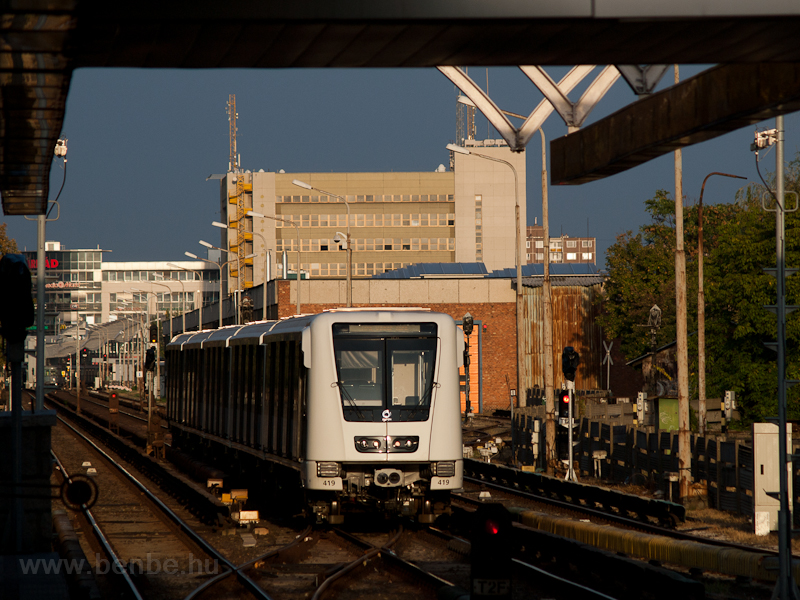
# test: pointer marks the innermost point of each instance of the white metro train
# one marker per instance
(362, 405)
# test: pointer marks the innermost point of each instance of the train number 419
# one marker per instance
(491, 587)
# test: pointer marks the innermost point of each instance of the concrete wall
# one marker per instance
(494, 182)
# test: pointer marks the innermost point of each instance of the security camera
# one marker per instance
(338, 238)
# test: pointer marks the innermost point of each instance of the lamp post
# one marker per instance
(263, 241)
(701, 308)
(165, 310)
(220, 266)
(78, 364)
(183, 305)
(174, 266)
(520, 328)
(252, 213)
(158, 352)
(266, 261)
(307, 186)
(239, 277)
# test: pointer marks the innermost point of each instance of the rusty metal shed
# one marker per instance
(575, 310)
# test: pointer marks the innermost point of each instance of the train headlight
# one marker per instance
(445, 468)
(328, 469)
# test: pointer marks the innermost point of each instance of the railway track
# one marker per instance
(527, 539)
(143, 542)
(566, 528)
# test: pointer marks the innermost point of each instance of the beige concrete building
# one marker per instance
(465, 214)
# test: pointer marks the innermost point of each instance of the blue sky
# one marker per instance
(142, 142)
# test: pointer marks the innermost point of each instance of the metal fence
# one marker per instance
(615, 450)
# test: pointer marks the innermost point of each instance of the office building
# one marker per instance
(563, 249)
(464, 214)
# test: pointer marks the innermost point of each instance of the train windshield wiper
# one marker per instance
(346, 395)
(423, 408)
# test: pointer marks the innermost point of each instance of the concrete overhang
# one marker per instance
(708, 105)
(43, 41)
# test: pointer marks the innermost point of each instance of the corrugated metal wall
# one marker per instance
(574, 324)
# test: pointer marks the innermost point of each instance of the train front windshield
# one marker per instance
(385, 371)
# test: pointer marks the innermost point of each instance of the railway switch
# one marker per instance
(491, 565)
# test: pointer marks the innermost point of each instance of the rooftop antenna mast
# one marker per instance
(234, 166)
(465, 119)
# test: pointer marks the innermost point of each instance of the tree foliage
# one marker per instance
(739, 242)
(7, 246)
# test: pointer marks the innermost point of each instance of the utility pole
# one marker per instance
(549, 394)
(785, 588)
(78, 363)
(684, 446)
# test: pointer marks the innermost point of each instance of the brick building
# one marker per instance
(489, 297)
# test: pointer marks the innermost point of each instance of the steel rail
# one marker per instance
(120, 569)
(430, 579)
(579, 591)
(607, 516)
(180, 523)
(211, 582)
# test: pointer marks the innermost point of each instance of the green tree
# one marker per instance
(7, 245)
(739, 242)
(641, 271)
(737, 292)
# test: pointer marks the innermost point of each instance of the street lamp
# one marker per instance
(252, 213)
(174, 266)
(337, 239)
(266, 260)
(701, 308)
(520, 328)
(183, 305)
(263, 240)
(166, 309)
(220, 266)
(157, 384)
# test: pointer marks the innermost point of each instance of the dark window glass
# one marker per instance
(389, 374)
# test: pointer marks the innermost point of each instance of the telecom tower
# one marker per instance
(237, 219)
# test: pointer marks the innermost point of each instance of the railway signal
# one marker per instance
(570, 360)
(491, 549)
(563, 407)
(150, 359)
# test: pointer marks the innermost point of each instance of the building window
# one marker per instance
(540, 257)
(540, 244)
(478, 228)
(586, 243)
(587, 256)
(572, 256)
(572, 244)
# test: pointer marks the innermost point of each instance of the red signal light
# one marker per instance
(492, 528)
